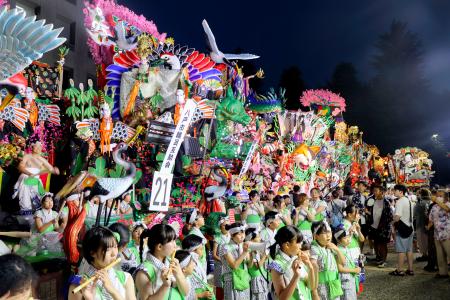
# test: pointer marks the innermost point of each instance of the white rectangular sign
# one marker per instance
(160, 198)
(248, 159)
(162, 180)
(178, 136)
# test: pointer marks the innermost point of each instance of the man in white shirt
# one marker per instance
(403, 244)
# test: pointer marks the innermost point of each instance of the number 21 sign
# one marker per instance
(161, 187)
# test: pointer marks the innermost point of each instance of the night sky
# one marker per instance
(316, 36)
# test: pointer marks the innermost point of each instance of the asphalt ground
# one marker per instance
(423, 285)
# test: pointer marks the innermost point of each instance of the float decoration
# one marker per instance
(326, 102)
(412, 166)
(23, 39)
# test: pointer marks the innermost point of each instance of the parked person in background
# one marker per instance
(381, 216)
(304, 215)
(421, 220)
(335, 209)
(440, 218)
(432, 256)
(279, 204)
(268, 201)
(359, 200)
(403, 217)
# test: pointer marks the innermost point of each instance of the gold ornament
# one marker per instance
(169, 41)
(340, 133)
(145, 45)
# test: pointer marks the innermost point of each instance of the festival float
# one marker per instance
(165, 128)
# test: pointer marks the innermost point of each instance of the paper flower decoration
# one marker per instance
(323, 98)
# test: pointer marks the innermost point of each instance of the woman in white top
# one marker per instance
(254, 207)
(318, 204)
(99, 250)
(46, 219)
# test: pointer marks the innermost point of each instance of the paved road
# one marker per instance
(422, 285)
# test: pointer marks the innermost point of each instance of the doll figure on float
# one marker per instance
(30, 106)
(28, 188)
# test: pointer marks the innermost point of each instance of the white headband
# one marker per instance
(223, 220)
(277, 216)
(248, 237)
(237, 229)
(193, 216)
(185, 262)
(339, 233)
(73, 197)
(139, 223)
(193, 248)
(328, 228)
(47, 195)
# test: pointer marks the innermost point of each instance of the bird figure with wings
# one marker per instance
(217, 55)
(196, 67)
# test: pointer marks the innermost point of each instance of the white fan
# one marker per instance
(23, 39)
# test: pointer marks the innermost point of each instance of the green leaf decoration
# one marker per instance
(90, 111)
(187, 160)
(74, 112)
(63, 51)
(156, 100)
(91, 93)
(71, 93)
(82, 99)
(100, 168)
(160, 156)
(42, 101)
(110, 101)
(78, 165)
(176, 192)
(117, 172)
(137, 177)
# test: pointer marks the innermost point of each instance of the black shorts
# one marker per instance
(365, 230)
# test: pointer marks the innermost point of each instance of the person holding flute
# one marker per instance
(293, 275)
(160, 276)
(101, 281)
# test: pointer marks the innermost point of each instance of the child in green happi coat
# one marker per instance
(256, 267)
(293, 274)
(326, 255)
(348, 271)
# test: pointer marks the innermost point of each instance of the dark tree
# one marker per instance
(291, 79)
(399, 58)
(398, 90)
(344, 79)
(345, 82)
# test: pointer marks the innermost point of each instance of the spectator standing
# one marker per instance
(381, 216)
(440, 217)
(404, 231)
(359, 200)
(421, 220)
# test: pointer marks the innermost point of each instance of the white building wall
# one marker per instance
(67, 14)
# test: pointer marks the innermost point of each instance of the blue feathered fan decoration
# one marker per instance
(23, 39)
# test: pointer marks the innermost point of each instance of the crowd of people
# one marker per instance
(291, 246)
